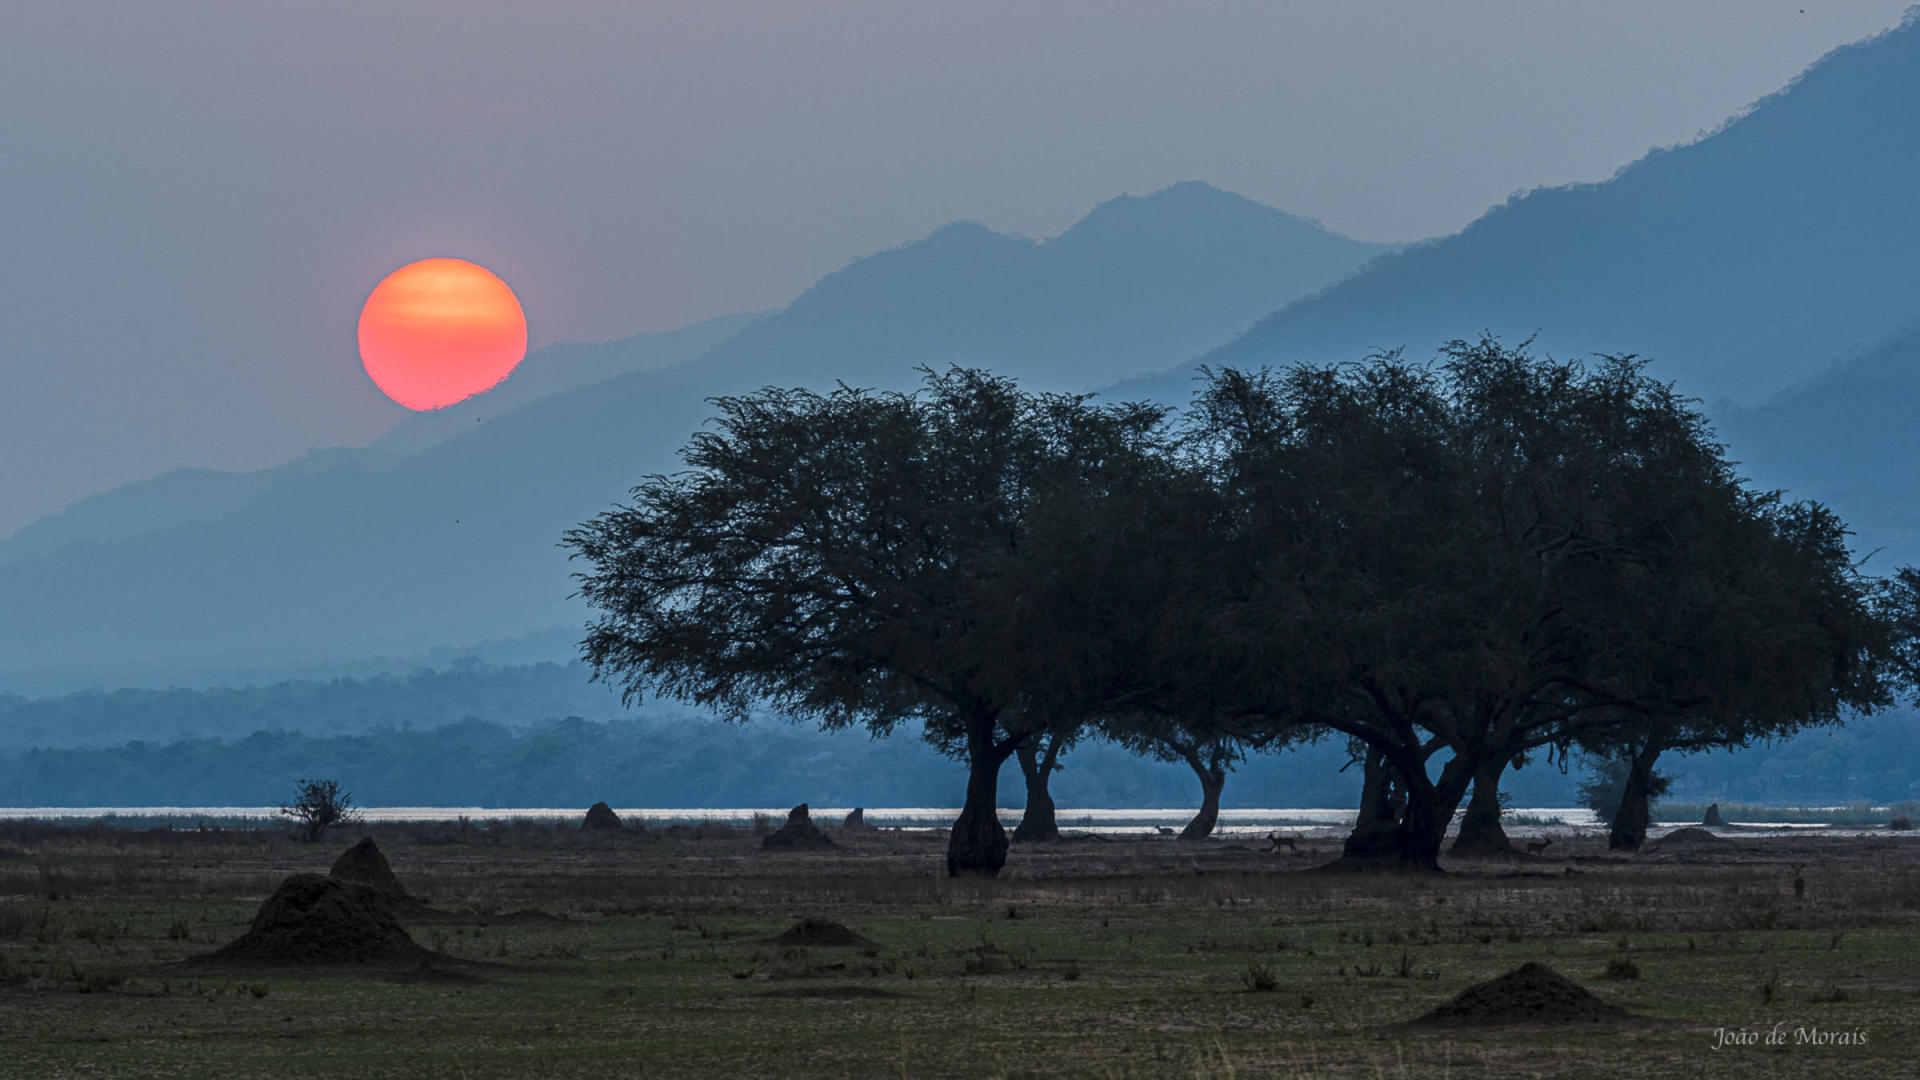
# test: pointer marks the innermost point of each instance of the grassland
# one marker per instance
(646, 953)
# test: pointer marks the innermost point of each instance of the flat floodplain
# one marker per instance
(654, 952)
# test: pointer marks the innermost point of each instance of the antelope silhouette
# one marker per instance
(1535, 847)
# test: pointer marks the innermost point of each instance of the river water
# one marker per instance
(1238, 823)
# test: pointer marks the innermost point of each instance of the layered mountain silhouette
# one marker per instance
(182, 496)
(1743, 264)
(1768, 269)
(433, 538)
(1850, 438)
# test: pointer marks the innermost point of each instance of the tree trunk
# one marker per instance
(1480, 833)
(1037, 823)
(1213, 777)
(978, 844)
(1410, 839)
(1382, 801)
(1629, 830)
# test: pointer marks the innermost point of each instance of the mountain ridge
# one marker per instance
(1664, 258)
(457, 541)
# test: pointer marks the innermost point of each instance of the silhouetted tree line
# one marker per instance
(1448, 569)
(671, 762)
(689, 762)
(464, 690)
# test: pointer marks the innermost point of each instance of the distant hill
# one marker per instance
(1849, 437)
(181, 496)
(1135, 286)
(542, 736)
(419, 543)
(1744, 263)
(562, 367)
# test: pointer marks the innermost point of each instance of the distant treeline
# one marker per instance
(683, 762)
(423, 699)
(676, 763)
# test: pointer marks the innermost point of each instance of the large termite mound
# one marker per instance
(365, 864)
(798, 834)
(315, 921)
(1529, 994)
(1688, 841)
(600, 817)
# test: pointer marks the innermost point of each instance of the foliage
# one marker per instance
(1454, 566)
(852, 558)
(1607, 780)
(319, 805)
(1457, 566)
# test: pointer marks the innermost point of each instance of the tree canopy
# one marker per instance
(853, 557)
(1455, 566)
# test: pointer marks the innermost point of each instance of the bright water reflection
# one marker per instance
(1254, 822)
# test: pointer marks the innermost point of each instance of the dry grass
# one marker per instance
(646, 953)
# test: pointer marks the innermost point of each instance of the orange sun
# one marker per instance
(438, 331)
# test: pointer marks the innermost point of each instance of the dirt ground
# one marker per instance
(660, 952)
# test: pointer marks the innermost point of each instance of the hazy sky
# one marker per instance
(198, 195)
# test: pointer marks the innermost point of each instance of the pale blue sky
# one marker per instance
(197, 195)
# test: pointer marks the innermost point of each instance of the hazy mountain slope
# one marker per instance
(182, 496)
(1849, 438)
(1744, 263)
(458, 542)
(563, 367)
(1135, 285)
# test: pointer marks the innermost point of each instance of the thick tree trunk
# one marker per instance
(1037, 823)
(1410, 840)
(1480, 833)
(1382, 801)
(1629, 829)
(1429, 811)
(978, 844)
(1213, 777)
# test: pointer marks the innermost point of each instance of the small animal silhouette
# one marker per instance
(1799, 883)
(1163, 830)
(1535, 847)
(1275, 842)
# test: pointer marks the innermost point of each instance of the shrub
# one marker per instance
(319, 805)
(1260, 979)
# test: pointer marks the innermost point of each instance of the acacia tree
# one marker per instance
(319, 805)
(1775, 631)
(1116, 637)
(1039, 758)
(852, 557)
(1038, 755)
(1204, 748)
(1465, 566)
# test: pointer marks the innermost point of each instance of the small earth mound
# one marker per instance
(798, 834)
(1691, 838)
(821, 933)
(1529, 994)
(1713, 816)
(314, 921)
(856, 821)
(600, 816)
(365, 864)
